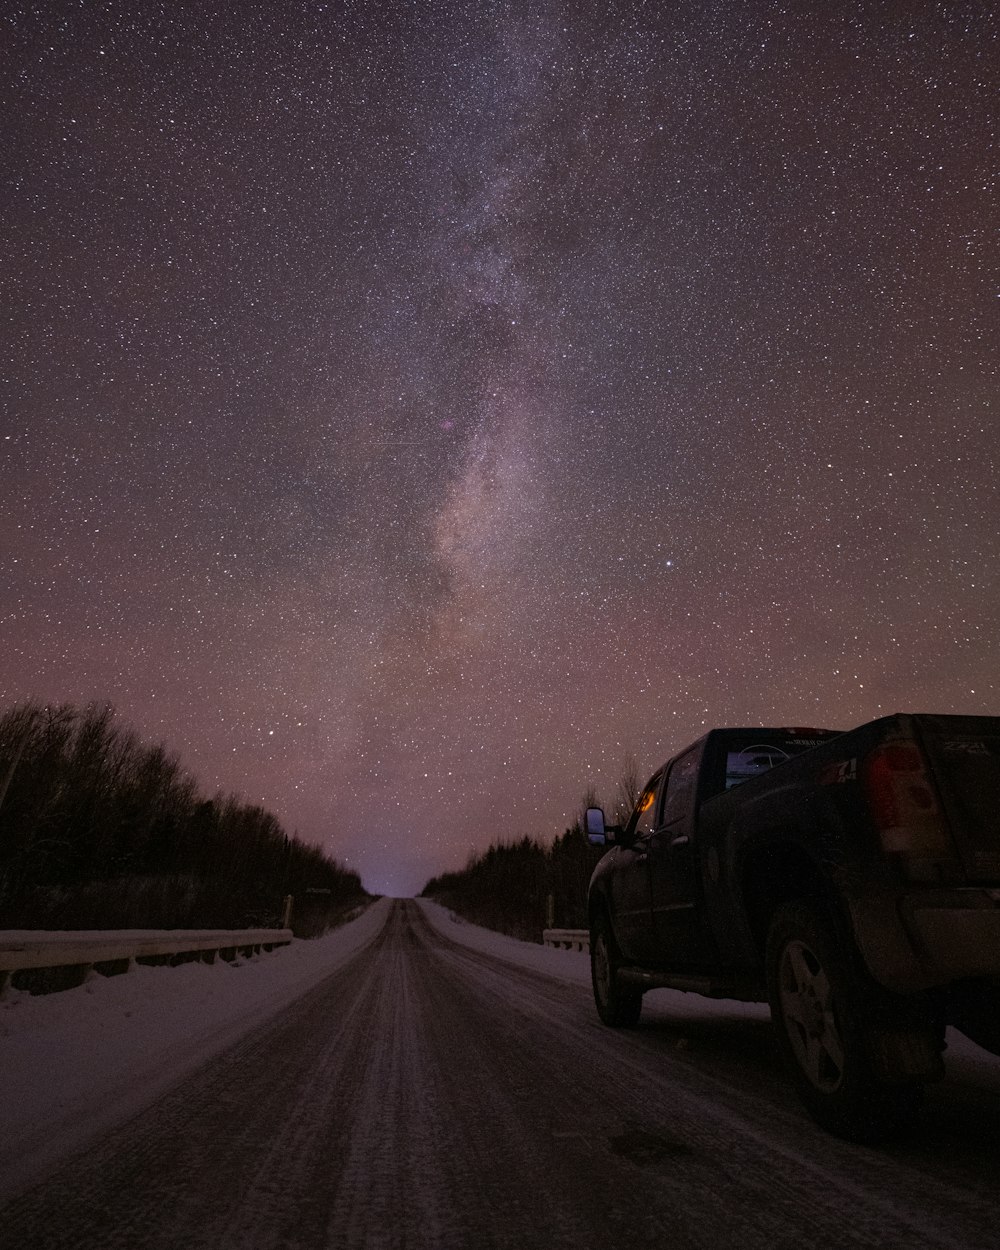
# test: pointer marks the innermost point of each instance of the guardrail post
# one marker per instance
(567, 939)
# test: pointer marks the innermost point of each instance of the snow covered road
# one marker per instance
(427, 1093)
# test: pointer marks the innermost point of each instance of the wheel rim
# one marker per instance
(602, 968)
(809, 1013)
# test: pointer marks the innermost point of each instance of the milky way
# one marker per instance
(409, 410)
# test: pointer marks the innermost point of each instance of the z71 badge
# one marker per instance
(964, 746)
(837, 774)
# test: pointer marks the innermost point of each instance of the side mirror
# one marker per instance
(594, 827)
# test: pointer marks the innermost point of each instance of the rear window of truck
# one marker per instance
(758, 753)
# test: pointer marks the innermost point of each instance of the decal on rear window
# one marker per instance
(759, 758)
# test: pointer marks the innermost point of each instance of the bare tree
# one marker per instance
(626, 789)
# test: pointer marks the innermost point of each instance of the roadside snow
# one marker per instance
(965, 1062)
(78, 1062)
(573, 966)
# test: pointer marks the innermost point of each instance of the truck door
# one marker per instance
(630, 885)
(682, 935)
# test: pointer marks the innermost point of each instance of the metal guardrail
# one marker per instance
(74, 954)
(567, 939)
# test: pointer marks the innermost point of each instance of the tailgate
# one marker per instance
(964, 755)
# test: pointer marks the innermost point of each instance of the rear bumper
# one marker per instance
(931, 938)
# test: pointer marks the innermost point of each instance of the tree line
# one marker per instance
(100, 830)
(516, 887)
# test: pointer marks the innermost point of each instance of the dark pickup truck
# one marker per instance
(851, 880)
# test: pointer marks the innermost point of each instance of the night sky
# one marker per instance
(410, 409)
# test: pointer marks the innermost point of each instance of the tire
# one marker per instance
(820, 1006)
(617, 1006)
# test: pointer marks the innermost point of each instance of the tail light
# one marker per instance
(904, 805)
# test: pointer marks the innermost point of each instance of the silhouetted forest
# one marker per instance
(99, 830)
(507, 888)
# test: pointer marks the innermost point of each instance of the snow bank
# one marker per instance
(78, 1062)
(564, 965)
(965, 1062)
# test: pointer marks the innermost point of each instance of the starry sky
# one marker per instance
(411, 409)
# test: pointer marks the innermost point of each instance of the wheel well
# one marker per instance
(773, 875)
(597, 905)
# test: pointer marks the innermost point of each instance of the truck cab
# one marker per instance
(655, 878)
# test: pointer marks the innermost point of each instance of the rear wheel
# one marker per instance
(617, 1006)
(820, 1007)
